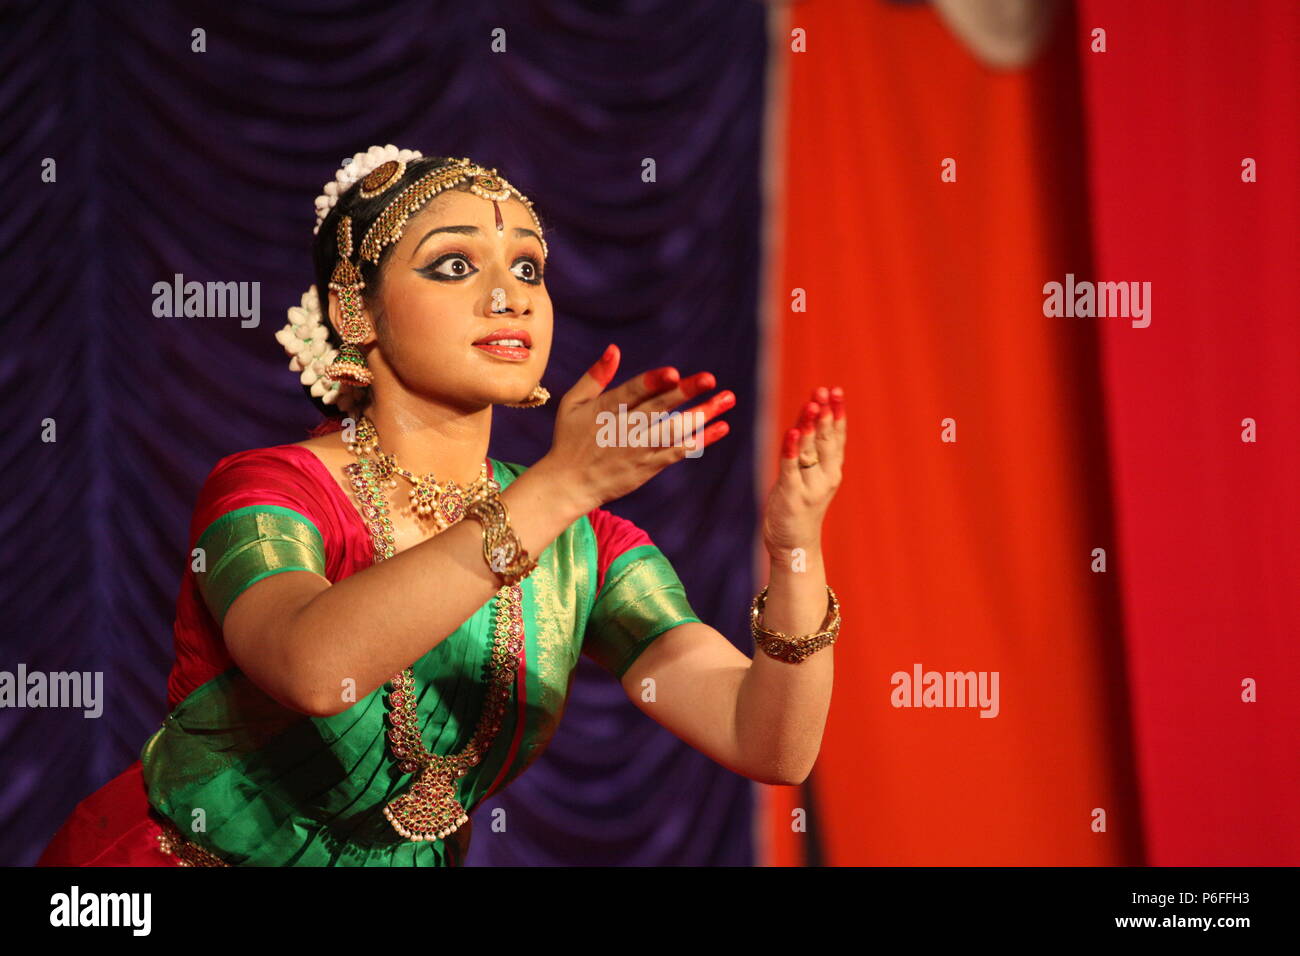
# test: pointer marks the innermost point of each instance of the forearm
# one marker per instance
(781, 708)
(374, 623)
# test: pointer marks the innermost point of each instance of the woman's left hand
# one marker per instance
(799, 498)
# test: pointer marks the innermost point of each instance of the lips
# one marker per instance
(512, 345)
(520, 336)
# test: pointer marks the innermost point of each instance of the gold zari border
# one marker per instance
(173, 843)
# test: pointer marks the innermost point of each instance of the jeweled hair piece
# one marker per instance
(389, 226)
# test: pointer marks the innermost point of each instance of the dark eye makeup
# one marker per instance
(454, 266)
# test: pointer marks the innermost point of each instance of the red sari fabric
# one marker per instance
(115, 825)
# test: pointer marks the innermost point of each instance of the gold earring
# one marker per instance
(350, 364)
(538, 396)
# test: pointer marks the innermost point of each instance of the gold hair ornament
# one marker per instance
(485, 183)
(381, 177)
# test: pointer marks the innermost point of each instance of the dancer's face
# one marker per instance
(452, 279)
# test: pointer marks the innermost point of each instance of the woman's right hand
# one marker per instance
(585, 452)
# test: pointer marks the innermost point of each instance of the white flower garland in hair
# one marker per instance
(306, 340)
(355, 170)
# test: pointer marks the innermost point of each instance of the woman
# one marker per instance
(366, 646)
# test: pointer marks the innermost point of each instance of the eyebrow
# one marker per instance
(520, 233)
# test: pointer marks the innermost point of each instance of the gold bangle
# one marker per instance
(790, 648)
(502, 550)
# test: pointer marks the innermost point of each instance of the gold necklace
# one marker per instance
(442, 501)
(430, 809)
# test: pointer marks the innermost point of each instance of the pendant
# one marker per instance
(451, 505)
(445, 502)
(429, 810)
(424, 495)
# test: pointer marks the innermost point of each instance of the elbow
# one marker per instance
(782, 775)
(799, 778)
(319, 699)
(302, 700)
(317, 690)
(788, 766)
(312, 707)
(779, 780)
(795, 769)
(280, 654)
(793, 780)
(314, 696)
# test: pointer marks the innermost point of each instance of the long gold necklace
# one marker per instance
(431, 809)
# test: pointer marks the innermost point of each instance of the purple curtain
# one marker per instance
(166, 160)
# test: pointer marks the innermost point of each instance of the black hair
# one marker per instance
(325, 253)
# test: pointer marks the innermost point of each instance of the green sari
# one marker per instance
(258, 784)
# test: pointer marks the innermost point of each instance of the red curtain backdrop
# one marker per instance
(924, 300)
(1121, 692)
(1208, 523)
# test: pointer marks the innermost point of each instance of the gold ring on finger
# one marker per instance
(805, 462)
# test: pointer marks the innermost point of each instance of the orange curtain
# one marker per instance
(924, 300)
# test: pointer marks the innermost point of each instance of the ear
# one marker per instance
(336, 317)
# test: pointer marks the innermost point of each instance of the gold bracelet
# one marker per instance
(790, 648)
(502, 550)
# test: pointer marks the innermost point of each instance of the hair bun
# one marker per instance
(354, 169)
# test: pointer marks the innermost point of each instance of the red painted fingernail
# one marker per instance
(808, 424)
(605, 366)
(724, 399)
(696, 384)
(790, 447)
(658, 378)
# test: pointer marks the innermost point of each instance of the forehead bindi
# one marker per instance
(462, 213)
